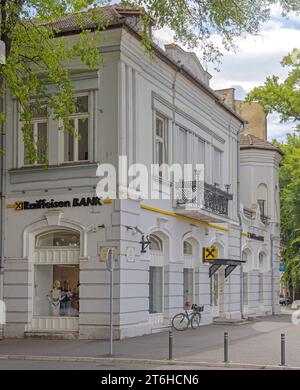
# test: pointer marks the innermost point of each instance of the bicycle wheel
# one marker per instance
(180, 321)
(195, 320)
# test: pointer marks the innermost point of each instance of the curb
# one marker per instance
(87, 359)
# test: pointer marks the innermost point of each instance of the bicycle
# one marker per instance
(181, 321)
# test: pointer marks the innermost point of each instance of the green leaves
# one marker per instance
(282, 96)
(290, 207)
(37, 57)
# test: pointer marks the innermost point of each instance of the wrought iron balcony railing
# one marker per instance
(214, 199)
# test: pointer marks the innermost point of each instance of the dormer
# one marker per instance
(189, 61)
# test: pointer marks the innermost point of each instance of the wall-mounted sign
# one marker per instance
(282, 267)
(254, 236)
(53, 204)
(210, 253)
(103, 253)
(130, 253)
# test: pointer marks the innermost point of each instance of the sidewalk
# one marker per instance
(257, 342)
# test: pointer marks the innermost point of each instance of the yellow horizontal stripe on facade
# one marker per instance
(145, 207)
(107, 201)
(244, 234)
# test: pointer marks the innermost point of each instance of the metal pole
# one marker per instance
(111, 307)
(170, 344)
(225, 347)
(282, 349)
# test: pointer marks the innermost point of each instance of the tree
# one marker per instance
(282, 97)
(289, 176)
(36, 55)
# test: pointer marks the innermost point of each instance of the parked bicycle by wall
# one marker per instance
(190, 316)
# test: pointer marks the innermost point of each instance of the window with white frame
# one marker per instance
(188, 285)
(245, 288)
(155, 290)
(76, 146)
(182, 148)
(217, 166)
(199, 153)
(261, 260)
(38, 134)
(156, 243)
(161, 140)
(187, 248)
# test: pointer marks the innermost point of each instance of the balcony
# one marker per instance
(254, 214)
(202, 201)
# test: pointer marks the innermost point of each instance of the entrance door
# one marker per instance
(188, 285)
(217, 292)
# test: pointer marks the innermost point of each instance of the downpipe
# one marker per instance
(2, 204)
(241, 227)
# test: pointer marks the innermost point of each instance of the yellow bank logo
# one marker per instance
(18, 206)
(210, 253)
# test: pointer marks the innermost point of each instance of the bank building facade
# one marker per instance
(158, 109)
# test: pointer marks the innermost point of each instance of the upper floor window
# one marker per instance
(262, 194)
(161, 141)
(38, 134)
(200, 158)
(182, 147)
(76, 145)
(217, 167)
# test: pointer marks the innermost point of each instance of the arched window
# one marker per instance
(246, 256)
(187, 248)
(156, 243)
(261, 267)
(262, 199)
(61, 238)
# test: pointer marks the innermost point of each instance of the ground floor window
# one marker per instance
(56, 290)
(245, 288)
(188, 285)
(261, 288)
(155, 289)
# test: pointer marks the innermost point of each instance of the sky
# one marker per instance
(256, 58)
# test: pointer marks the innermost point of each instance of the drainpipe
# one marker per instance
(2, 198)
(173, 121)
(240, 223)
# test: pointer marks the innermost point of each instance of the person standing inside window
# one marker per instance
(66, 300)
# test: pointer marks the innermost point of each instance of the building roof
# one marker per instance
(108, 15)
(117, 16)
(250, 141)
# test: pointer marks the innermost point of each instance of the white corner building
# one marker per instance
(152, 109)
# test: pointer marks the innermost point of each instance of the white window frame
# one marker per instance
(215, 149)
(34, 122)
(162, 290)
(76, 117)
(188, 244)
(163, 139)
(192, 269)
